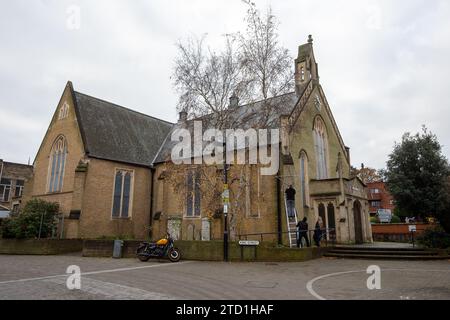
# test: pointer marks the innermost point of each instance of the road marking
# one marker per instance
(114, 291)
(309, 285)
(95, 272)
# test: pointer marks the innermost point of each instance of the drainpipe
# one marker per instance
(152, 196)
(280, 239)
(279, 214)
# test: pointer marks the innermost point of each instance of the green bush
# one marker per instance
(395, 219)
(374, 220)
(435, 238)
(27, 224)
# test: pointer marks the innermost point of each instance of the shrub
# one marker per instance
(27, 224)
(374, 220)
(395, 219)
(435, 238)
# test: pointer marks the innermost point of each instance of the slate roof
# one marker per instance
(246, 116)
(115, 133)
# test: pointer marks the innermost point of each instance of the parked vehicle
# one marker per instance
(164, 248)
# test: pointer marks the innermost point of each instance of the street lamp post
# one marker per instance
(226, 203)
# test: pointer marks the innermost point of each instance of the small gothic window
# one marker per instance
(302, 73)
(122, 194)
(57, 165)
(64, 111)
(318, 102)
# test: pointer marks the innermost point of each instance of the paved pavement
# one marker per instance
(394, 245)
(39, 277)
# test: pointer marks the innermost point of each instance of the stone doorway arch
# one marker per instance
(358, 222)
(322, 215)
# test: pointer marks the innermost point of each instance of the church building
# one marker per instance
(110, 169)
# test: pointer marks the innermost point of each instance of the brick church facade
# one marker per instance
(109, 168)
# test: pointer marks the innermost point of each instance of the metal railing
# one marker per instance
(328, 235)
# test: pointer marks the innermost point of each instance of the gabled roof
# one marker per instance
(112, 132)
(243, 117)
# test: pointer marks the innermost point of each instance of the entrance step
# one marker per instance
(384, 257)
(362, 252)
(388, 252)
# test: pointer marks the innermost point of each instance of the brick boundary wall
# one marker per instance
(39, 247)
(209, 251)
(397, 232)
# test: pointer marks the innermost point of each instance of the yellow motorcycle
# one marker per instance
(164, 248)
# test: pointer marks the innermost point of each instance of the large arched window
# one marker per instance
(57, 164)
(321, 148)
(304, 179)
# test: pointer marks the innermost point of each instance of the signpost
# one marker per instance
(248, 243)
(412, 229)
(384, 215)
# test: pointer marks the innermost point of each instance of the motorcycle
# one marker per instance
(164, 248)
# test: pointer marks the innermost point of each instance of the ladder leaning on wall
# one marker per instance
(291, 225)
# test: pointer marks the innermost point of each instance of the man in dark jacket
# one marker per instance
(318, 233)
(302, 232)
(290, 202)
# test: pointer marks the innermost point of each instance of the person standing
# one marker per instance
(318, 233)
(290, 202)
(302, 229)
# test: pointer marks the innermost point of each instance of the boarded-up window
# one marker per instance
(253, 185)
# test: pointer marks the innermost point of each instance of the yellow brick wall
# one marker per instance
(67, 127)
(96, 218)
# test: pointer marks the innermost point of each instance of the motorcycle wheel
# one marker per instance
(174, 255)
(142, 257)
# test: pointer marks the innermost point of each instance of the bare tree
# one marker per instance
(254, 67)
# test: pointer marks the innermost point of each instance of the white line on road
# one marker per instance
(309, 285)
(95, 272)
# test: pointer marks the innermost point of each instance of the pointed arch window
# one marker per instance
(123, 182)
(321, 148)
(193, 194)
(304, 179)
(57, 162)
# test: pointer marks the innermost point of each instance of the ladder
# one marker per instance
(291, 225)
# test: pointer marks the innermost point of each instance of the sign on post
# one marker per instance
(412, 228)
(248, 243)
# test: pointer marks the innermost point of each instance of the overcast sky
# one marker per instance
(384, 65)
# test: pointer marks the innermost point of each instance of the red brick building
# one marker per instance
(379, 197)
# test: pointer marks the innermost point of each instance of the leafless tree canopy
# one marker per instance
(253, 66)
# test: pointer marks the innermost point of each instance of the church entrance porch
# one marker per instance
(341, 204)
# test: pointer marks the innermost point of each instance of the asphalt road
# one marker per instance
(45, 277)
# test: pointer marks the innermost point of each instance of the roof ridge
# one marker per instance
(17, 163)
(247, 105)
(122, 107)
(271, 98)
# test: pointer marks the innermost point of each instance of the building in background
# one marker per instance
(12, 180)
(379, 197)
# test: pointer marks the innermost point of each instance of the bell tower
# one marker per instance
(306, 67)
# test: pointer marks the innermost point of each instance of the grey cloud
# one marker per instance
(383, 64)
